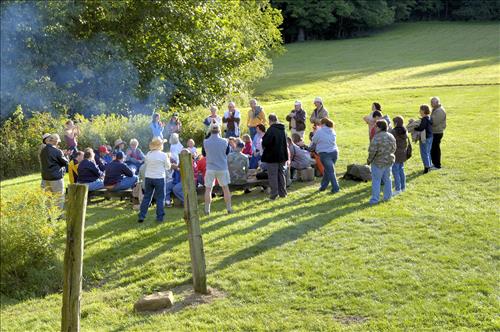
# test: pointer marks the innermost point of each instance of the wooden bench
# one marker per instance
(122, 194)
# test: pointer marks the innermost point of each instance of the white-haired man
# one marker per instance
(438, 117)
(297, 120)
(319, 112)
(216, 149)
(232, 120)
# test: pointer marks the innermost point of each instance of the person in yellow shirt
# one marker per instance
(256, 116)
(73, 167)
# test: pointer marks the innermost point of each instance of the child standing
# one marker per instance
(425, 142)
(398, 170)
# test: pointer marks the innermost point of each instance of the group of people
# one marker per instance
(227, 155)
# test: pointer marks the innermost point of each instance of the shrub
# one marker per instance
(29, 263)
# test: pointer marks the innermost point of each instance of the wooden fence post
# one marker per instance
(76, 205)
(193, 223)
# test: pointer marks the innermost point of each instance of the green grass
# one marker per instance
(426, 260)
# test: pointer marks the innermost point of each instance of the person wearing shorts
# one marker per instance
(216, 149)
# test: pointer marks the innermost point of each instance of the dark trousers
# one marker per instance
(277, 179)
(436, 150)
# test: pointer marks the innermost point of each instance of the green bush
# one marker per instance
(21, 137)
(29, 262)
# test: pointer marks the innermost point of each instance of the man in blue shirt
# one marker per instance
(118, 175)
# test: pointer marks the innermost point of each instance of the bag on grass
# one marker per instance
(357, 172)
(408, 149)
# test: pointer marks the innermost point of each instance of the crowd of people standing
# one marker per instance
(227, 155)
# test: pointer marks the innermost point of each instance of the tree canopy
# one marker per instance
(128, 56)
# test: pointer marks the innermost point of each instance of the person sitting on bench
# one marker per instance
(299, 158)
(118, 175)
(238, 165)
(89, 173)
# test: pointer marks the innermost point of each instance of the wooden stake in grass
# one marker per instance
(193, 223)
(76, 206)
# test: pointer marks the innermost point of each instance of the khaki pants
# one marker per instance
(57, 188)
(300, 133)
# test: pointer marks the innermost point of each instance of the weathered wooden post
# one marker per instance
(76, 205)
(193, 223)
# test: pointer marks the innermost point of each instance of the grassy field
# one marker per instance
(426, 260)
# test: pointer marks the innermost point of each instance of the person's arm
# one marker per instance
(267, 140)
(289, 117)
(372, 150)
(262, 116)
(167, 163)
(228, 149)
(127, 171)
(61, 159)
(203, 152)
(301, 116)
(249, 118)
(423, 124)
(237, 117)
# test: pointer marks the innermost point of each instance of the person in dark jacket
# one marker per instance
(99, 157)
(275, 155)
(425, 145)
(118, 175)
(89, 173)
(54, 165)
(297, 119)
(398, 168)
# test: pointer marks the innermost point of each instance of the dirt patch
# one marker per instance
(350, 320)
(185, 297)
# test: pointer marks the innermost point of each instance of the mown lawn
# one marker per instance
(427, 260)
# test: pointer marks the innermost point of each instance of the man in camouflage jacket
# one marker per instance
(238, 165)
(381, 157)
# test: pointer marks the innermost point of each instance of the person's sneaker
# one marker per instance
(247, 191)
(426, 170)
(230, 210)
(396, 192)
(160, 221)
(273, 197)
(140, 221)
(168, 204)
(434, 168)
(207, 211)
(321, 189)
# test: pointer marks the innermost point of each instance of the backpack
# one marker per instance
(357, 172)
(408, 149)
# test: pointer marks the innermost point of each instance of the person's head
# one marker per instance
(381, 125)
(190, 143)
(79, 156)
(296, 138)
(70, 124)
(88, 153)
(215, 128)
(53, 139)
(425, 110)
(239, 146)
(134, 143)
(232, 142)
(231, 106)
(377, 115)
(246, 138)
(156, 117)
(298, 105)
(213, 110)
(156, 144)
(289, 140)
(174, 138)
(119, 156)
(318, 101)
(435, 102)
(175, 116)
(261, 129)
(103, 150)
(272, 118)
(327, 122)
(376, 107)
(44, 138)
(398, 121)
(119, 144)
(253, 103)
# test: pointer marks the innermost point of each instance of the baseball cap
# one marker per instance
(103, 149)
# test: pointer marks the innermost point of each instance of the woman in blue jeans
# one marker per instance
(324, 142)
(156, 163)
(425, 145)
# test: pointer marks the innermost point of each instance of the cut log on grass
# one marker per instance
(155, 302)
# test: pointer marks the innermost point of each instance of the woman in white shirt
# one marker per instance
(156, 163)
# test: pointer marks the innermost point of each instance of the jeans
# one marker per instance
(277, 179)
(176, 189)
(425, 152)
(254, 162)
(252, 131)
(134, 167)
(398, 171)
(380, 174)
(436, 150)
(126, 183)
(328, 159)
(154, 187)
(231, 133)
(96, 185)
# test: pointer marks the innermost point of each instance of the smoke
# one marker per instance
(47, 69)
